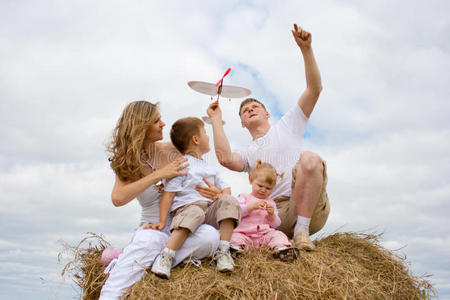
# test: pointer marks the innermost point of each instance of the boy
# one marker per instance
(189, 208)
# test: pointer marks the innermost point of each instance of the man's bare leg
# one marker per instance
(307, 189)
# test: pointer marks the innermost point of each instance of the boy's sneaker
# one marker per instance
(224, 261)
(163, 263)
(286, 254)
(109, 254)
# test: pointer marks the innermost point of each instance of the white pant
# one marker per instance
(142, 251)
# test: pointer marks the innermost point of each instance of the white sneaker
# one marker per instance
(224, 261)
(162, 265)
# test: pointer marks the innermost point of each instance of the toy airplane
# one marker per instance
(227, 91)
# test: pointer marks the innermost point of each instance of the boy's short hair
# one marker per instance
(183, 130)
(266, 170)
(248, 100)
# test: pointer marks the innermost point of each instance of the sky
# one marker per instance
(68, 68)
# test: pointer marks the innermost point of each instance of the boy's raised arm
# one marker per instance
(227, 158)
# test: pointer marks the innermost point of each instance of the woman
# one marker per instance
(140, 163)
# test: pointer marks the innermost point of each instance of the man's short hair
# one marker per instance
(183, 130)
(249, 100)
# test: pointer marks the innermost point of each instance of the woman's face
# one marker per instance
(155, 130)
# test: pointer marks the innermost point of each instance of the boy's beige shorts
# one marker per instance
(193, 215)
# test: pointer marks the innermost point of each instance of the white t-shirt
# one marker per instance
(184, 186)
(281, 147)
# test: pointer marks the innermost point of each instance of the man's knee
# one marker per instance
(310, 162)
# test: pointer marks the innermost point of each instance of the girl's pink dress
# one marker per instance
(255, 228)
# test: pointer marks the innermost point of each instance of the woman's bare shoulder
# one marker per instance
(167, 153)
(165, 146)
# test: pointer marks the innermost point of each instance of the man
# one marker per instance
(300, 194)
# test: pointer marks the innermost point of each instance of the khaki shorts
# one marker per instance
(193, 215)
(287, 208)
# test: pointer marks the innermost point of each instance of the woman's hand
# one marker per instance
(259, 204)
(210, 192)
(172, 170)
(157, 226)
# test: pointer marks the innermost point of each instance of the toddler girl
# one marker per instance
(260, 216)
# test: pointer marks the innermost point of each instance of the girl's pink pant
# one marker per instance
(271, 239)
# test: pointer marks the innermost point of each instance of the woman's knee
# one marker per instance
(202, 243)
(208, 233)
(145, 238)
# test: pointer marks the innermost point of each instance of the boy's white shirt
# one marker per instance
(184, 186)
(281, 147)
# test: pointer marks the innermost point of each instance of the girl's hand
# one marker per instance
(171, 170)
(269, 209)
(157, 226)
(210, 192)
(260, 204)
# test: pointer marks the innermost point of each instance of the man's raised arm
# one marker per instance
(308, 99)
(228, 159)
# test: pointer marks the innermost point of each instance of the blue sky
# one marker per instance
(69, 68)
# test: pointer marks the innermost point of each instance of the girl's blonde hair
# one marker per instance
(127, 153)
(266, 170)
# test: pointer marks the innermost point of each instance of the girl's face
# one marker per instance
(260, 188)
(155, 130)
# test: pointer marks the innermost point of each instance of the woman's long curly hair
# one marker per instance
(126, 148)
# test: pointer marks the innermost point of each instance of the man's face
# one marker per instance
(253, 112)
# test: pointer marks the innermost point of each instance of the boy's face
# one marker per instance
(203, 140)
(260, 188)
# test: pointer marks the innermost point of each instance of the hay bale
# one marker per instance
(344, 266)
